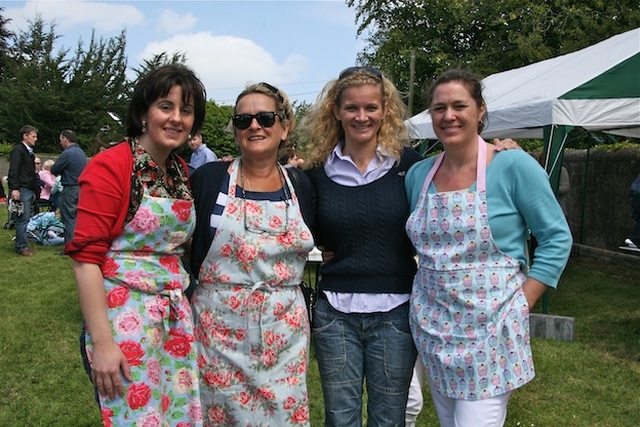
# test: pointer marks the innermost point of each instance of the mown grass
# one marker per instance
(591, 382)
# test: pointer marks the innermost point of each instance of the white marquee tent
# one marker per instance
(597, 88)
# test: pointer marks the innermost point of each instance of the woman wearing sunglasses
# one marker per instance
(249, 252)
(361, 324)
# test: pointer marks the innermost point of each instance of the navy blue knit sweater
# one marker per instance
(364, 227)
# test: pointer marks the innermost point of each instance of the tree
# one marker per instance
(53, 90)
(157, 61)
(485, 36)
(214, 131)
(5, 37)
(32, 84)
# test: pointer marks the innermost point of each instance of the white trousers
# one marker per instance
(415, 400)
(490, 412)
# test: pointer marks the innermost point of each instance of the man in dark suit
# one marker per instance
(23, 183)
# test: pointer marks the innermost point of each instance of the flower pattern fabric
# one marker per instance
(150, 318)
(251, 320)
(147, 177)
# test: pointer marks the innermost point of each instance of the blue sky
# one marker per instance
(295, 45)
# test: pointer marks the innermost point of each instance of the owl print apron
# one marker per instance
(251, 320)
(469, 316)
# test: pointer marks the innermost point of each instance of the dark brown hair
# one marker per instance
(467, 78)
(158, 83)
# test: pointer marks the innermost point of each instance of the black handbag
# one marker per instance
(310, 296)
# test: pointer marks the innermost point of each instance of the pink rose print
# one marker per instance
(183, 380)
(289, 402)
(117, 297)
(305, 235)
(106, 416)
(244, 398)
(300, 415)
(281, 270)
(133, 351)
(218, 378)
(165, 401)
(145, 221)
(128, 323)
(287, 239)
(206, 320)
(171, 263)
(182, 209)
(153, 371)
(240, 334)
(275, 222)
(234, 302)
(138, 395)
(246, 253)
(178, 344)
(226, 251)
(109, 268)
(216, 415)
(252, 208)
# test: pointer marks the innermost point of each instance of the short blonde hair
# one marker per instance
(283, 107)
(47, 164)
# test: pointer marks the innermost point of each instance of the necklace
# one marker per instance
(283, 182)
(287, 196)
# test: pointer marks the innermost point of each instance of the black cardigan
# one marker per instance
(205, 186)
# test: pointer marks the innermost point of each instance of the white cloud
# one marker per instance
(103, 16)
(225, 64)
(174, 23)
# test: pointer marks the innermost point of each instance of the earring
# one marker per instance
(144, 125)
(189, 137)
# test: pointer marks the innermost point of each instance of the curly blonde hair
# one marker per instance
(323, 131)
(283, 107)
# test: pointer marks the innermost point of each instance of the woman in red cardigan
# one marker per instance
(135, 212)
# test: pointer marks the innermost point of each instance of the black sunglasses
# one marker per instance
(266, 119)
(374, 72)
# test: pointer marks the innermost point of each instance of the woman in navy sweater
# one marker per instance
(361, 329)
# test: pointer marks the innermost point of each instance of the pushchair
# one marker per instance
(10, 223)
(46, 229)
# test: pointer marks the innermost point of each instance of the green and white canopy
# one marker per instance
(596, 88)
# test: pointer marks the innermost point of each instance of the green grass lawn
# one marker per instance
(592, 382)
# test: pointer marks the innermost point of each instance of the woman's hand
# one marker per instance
(326, 256)
(505, 144)
(533, 290)
(108, 361)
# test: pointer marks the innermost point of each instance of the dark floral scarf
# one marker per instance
(147, 174)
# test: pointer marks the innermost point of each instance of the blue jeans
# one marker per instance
(28, 199)
(352, 348)
(68, 210)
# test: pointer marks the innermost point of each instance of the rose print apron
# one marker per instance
(251, 321)
(469, 316)
(151, 319)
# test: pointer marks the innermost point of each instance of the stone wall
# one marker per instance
(598, 210)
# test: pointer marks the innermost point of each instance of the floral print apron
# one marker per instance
(252, 328)
(151, 319)
(469, 316)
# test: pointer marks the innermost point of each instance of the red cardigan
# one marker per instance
(105, 189)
